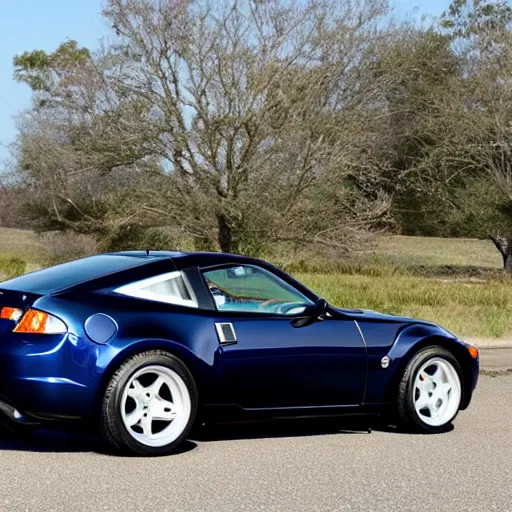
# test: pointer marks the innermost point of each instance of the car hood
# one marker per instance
(370, 315)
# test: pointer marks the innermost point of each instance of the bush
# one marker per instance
(59, 247)
(139, 238)
(12, 266)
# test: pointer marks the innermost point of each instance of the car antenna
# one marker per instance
(147, 252)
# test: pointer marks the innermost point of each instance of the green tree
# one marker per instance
(472, 140)
(422, 68)
(46, 72)
(470, 19)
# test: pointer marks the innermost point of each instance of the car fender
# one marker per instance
(414, 337)
(112, 358)
(413, 334)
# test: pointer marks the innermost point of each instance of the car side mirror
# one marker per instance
(314, 313)
(321, 308)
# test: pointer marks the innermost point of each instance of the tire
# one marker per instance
(149, 405)
(428, 401)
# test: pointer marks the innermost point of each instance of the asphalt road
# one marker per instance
(496, 359)
(295, 466)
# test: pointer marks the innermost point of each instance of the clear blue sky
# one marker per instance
(44, 24)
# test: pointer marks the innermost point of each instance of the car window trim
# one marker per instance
(135, 290)
(197, 283)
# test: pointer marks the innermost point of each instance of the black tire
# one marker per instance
(112, 426)
(407, 416)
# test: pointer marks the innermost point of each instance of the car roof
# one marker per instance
(190, 259)
(185, 260)
(101, 269)
(71, 273)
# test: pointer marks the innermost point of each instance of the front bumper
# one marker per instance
(470, 385)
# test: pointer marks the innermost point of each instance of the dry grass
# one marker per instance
(422, 256)
(468, 308)
(21, 243)
(431, 251)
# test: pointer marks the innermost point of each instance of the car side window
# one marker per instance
(171, 288)
(248, 288)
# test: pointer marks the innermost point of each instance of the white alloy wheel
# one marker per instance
(155, 406)
(437, 392)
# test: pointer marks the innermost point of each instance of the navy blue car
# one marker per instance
(144, 344)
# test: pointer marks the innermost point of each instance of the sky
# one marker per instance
(43, 24)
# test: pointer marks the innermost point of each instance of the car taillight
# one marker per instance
(39, 322)
(13, 314)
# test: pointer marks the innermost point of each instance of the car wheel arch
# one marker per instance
(175, 349)
(455, 347)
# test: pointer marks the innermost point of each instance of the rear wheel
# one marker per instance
(430, 392)
(150, 404)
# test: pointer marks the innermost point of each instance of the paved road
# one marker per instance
(281, 466)
(496, 358)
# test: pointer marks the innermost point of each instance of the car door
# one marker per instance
(266, 362)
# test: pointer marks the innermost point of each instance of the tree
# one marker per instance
(245, 120)
(83, 151)
(46, 73)
(453, 161)
(422, 68)
(472, 19)
(482, 29)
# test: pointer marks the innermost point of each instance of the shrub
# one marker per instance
(12, 266)
(139, 238)
(59, 247)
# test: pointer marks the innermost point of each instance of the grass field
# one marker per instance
(469, 309)
(431, 251)
(21, 243)
(400, 276)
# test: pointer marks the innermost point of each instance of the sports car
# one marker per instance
(145, 344)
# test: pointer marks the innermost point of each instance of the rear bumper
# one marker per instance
(15, 415)
(46, 377)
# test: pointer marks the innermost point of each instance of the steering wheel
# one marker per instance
(217, 292)
(269, 302)
(286, 308)
(282, 306)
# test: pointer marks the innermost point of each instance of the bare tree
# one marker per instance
(250, 118)
(83, 152)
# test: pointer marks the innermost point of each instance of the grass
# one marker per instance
(420, 256)
(21, 243)
(431, 251)
(429, 278)
(468, 308)
(12, 266)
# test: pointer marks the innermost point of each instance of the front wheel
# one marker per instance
(150, 404)
(430, 392)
